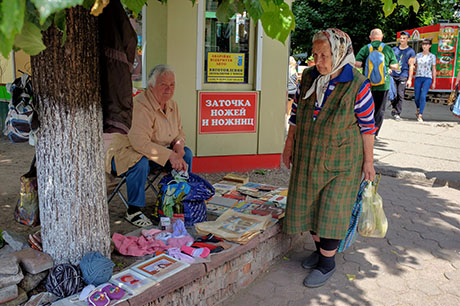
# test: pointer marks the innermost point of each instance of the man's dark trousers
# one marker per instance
(380, 100)
(397, 103)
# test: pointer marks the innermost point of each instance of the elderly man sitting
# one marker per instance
(156, 139)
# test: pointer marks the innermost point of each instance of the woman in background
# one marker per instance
(425, 76)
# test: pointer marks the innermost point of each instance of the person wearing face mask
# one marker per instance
(156, 139)
(329, 148)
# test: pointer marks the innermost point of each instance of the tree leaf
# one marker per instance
(30, 39)
(277, 21)
(225, 11)
(254, 9)
(59, 21)
(6, 44)
(47, 7)
(388, 7)
(134, 5)
(408, 3)
(12, 19)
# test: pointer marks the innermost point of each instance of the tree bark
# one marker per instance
(70, 155)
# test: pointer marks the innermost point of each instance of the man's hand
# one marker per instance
(177, 162)
(287, 153)
(433, 84)
(368, 171)
(409, 82)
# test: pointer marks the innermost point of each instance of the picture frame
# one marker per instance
(132, 281)
(160, 267)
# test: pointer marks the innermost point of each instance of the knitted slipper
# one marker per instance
(98, 298)
(113, 292)
(138, 219)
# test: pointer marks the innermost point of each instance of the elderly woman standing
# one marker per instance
(330, 145)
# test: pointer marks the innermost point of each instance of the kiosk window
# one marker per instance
(226, 47)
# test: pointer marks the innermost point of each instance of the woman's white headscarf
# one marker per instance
(342, 54)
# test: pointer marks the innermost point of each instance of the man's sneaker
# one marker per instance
(419, 118)
(397, 117)
(393, 112)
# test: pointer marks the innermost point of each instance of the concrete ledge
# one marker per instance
(212, 282)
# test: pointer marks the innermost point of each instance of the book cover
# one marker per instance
(263, 210)
(132, 281)
(222, 201)
(280, 199)
(253, 192)
(239, 178)
(235, 195)
(245, 207)
(160, 267)
(223, 188)
(215, 210)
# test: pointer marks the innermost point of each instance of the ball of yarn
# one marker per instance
(64, 280)
(95, 268)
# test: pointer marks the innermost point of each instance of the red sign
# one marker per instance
(228, 112)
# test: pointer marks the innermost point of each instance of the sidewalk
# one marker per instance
(428, 150)
(418, 262)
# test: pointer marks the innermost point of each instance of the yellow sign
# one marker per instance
(225, 67)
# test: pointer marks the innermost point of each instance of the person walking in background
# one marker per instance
(425, 76)
(330, 146)
(379, 92)
(292, 84)
(402, 76)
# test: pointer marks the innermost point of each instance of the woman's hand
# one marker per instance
(287, 152)
(368, 171)
(177, 162)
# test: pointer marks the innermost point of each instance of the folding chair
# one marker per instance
(153, 175)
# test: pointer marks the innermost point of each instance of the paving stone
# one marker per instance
(392, 282)
(34, 261)
(22, 298)
(9, 265)
(453, 275)
(15, 240)
(425, 285)
(7, 280)
(31, 281)
(443, 300)
(8, 293)
(413, 297)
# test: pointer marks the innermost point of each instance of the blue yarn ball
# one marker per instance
(95, 268)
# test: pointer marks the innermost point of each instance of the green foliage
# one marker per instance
(134, 5)
(30, 39)
(48, 7)
(313, 15)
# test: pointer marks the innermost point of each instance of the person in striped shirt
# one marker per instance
(364, 105)
(330, 147)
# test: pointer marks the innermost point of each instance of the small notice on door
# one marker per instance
(225, 67)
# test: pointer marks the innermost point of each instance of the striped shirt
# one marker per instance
(364, 104)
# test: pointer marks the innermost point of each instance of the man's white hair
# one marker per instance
(157, 71)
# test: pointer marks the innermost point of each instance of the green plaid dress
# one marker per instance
(327, 161)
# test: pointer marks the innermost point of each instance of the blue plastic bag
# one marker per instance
(352, 231)
(191, 204)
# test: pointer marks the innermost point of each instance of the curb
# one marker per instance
(416, 175)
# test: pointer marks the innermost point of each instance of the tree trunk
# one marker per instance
(70, 154)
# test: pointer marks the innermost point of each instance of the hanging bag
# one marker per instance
(346, 242)
(27, 211)
(373, 222)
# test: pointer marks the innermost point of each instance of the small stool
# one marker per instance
(153, 175)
